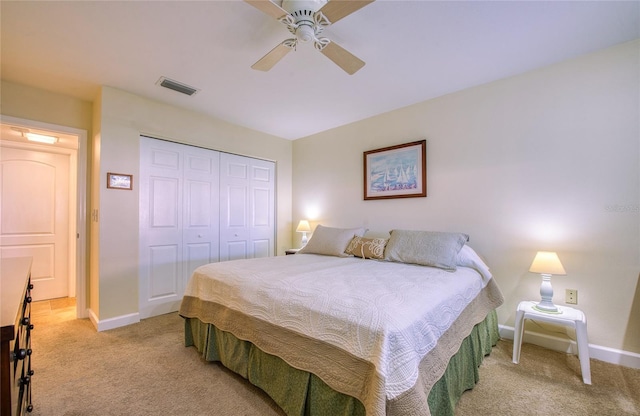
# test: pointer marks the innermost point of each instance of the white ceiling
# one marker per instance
(414, 51)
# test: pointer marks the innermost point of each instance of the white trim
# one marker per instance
(112, 323)
(81, 223)
(80, 206)
(598, 352)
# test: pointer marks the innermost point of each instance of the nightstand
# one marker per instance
(566, 315)
(291, 251)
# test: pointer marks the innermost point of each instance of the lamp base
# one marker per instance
(546, 294)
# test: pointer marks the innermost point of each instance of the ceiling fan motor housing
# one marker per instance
(303, 12)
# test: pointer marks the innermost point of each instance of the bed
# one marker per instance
(349, 325)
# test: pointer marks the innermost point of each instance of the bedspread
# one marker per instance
(374, 330)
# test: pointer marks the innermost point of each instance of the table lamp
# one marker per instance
(304, 228)
(547, 263)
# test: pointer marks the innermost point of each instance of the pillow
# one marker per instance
(367, 248)
(331, 241)
(427, 248)
(467, 257)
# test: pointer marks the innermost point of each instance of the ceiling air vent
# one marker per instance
(176, 86)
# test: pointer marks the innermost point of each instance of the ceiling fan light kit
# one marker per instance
(306, 20)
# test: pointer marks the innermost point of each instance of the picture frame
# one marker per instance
(119, 181)
(396, 172)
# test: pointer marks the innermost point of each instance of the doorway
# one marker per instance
(51, 179)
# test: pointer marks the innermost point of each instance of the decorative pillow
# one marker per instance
(367, 248)
(467, 257)
(427, 248)
(331, 241)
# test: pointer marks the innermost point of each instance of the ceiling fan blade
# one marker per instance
(268, 7)
(335, 10)
(343, 58)
(269, 60)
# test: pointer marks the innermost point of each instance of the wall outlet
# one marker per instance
(571, 296)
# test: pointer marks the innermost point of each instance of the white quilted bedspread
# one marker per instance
(390, 314)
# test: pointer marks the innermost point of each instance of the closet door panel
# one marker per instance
(163, 232)
(262, 207)
(236, 250)
(247, 207)
(234, 227)
(201, 209)
(163, 261)
(160, 227)
(261, 211)
(196, 255)
(234, 206)
(261, 248)
(164, 200)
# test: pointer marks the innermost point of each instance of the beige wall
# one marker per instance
(548, 160)
(31, 103)
(122, 118)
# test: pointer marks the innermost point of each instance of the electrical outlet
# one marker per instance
(571, 296)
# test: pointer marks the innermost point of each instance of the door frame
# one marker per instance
(77, 225)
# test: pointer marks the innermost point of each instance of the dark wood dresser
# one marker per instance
(15, 336)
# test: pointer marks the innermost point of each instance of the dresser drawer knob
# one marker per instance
(25, 320)
(21, 354)
(28, 299)
(25, 380)
(30, 286)
(30, 408)
(30, 327)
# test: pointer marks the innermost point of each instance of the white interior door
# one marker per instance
(34, 212)
(247, 207)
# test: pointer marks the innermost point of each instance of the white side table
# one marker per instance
(572, 317)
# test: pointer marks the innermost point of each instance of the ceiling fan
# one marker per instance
(306, 20)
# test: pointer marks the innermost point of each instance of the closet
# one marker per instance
(198, 206)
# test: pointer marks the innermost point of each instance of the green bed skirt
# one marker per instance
(301, 393)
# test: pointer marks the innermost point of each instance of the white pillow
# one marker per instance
(427, 248)
(467, 257)
(330, 241)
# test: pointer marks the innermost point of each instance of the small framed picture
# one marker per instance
(396, 172)
(119, 181)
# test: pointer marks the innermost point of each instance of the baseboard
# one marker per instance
(598, 352)
(112, 323)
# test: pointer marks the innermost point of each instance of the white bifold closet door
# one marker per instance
(181, 217)
(247, 207)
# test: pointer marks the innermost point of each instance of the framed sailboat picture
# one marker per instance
(119, 181)
(396, 172)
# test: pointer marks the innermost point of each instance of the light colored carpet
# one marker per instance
(144, 369)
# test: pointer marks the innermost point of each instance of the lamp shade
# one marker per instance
(547, 262)
(303, 226)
